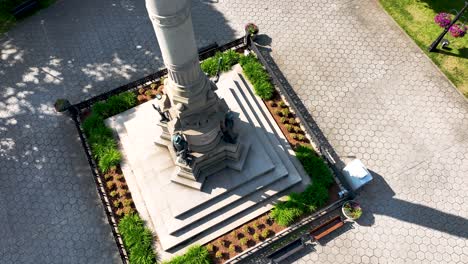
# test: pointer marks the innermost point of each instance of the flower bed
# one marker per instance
(242, 238)
(136, 237)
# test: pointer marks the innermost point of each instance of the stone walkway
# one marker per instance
(371, 90)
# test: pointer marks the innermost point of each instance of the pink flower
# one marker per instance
(443, 19)
(458, 31)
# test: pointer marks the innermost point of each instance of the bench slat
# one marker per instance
(328, 231)
(327, 227)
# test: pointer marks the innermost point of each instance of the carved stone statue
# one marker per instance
(227, 128)
(164, 114)
(181, 148)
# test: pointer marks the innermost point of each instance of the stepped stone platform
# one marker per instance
(181, 215)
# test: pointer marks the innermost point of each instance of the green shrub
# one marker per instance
(115, 105)
(283, 120)
(100, 137)
(243, 241)
(264, 89)
(210, 65)
(256, 224)
(116, 203)
(210, 247)
(127, 202)
(300, 137)
(101, 109)
(219, 254)
(315, 195)
(288, 127)
(119, 103)
(113, 193)
(195, 254)
(282, 104)
(232, 248)
(101, 144)
(93, 123)
(256, 237)
(110, 158)
(285, 112)
(230, 58)
(297, 129)
(293, 135)
(266, 233)
(138, 240)
(315, 167)
(258, 76)
(110, 185)
(285, 213)
(100, 133)
(292, 121)
(249, 59)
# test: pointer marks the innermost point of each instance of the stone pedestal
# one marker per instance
(238, 192)
(195, 111)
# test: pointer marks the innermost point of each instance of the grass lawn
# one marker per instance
(7, 20)
(416, 17)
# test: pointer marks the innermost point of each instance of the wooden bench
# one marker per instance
(327, 227)
(25, 8)
(286, 251)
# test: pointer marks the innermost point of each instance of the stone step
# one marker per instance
(265, 141)
(221, 218)
(227, 200)
(197, 185)
(203, 211)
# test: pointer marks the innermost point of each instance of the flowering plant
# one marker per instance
(352, 209)
(458, 31)
(443, 19)
(251, 28)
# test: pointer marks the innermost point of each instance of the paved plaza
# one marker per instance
(369, 88)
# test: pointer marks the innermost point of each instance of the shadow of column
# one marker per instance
(380, 200)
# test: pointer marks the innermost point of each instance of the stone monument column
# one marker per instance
(197, 124)
(189, 95)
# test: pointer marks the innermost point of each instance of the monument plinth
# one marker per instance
(194, 132)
